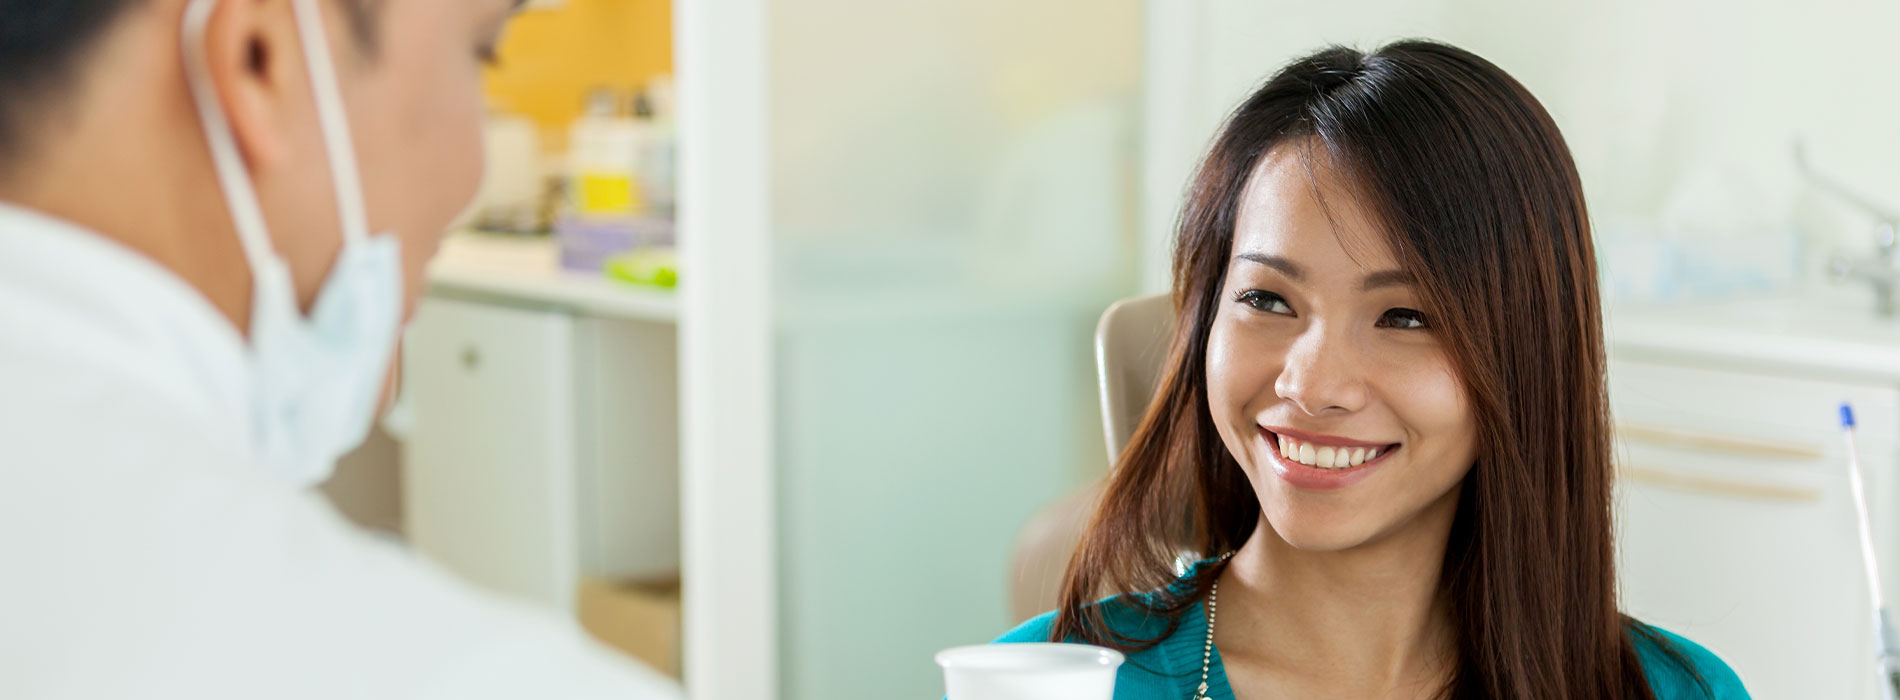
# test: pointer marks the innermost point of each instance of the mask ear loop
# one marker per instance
(239, 197)
(344, 176)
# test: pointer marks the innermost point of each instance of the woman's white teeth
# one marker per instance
(1325, 457)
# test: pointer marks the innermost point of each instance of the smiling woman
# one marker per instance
(1382, 428)
(1322, 339)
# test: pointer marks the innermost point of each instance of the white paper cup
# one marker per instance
(1029, 672)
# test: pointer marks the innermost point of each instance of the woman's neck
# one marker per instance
(1360, 622)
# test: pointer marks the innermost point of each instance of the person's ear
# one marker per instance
(256, 67)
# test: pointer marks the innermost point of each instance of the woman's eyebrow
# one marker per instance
(1386, 278)
(1382, 278)
(1286, 267)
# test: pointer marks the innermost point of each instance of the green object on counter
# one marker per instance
(653, 267)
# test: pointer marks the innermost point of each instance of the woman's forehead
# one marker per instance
(1297, 204)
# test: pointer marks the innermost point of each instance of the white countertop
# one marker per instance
(1829, 333)
(528, 270)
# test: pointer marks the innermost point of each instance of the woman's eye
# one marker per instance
(1264, 301)
(1403, 319)
(488, 55)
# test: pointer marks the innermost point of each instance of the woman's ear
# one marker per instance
(256, 68)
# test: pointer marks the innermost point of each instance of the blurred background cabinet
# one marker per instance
(543, 437)
(490, 465)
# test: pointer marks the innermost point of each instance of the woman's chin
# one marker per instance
(1320, 531)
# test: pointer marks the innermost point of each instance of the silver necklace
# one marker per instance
(1207, 651)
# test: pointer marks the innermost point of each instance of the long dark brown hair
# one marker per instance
(1483, 205)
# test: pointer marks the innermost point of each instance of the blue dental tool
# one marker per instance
(1886, 643)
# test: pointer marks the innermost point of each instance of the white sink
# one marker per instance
(1829, 331)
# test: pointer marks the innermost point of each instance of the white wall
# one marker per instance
(1681, 113)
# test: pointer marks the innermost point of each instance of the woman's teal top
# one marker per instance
(1171, 670)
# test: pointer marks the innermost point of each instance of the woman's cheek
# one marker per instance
(1434, 403)
(1227, 369)
(1241, 369)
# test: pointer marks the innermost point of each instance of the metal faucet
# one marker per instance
(1879, 270)
(1882, 269)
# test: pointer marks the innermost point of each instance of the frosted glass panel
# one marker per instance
(952, 193)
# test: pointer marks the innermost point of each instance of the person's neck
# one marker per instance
(112, 160)
(1366, 620)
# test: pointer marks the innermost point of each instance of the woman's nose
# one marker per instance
(1322, 373)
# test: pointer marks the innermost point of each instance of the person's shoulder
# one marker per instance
(1129, 615)
(1035, 629)
(1123, 613)
(1680, 669)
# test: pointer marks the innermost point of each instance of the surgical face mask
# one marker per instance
(316, 380)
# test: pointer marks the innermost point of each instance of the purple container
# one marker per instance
(587, 242)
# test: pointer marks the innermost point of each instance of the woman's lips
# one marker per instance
(1327, 448)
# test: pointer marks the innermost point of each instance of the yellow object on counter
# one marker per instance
(607, 193)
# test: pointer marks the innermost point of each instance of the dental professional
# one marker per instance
(214, 217)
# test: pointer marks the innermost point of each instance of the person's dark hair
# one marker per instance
(1482, 204)
(42, 43)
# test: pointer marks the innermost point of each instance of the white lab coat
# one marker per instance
(143, 555)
